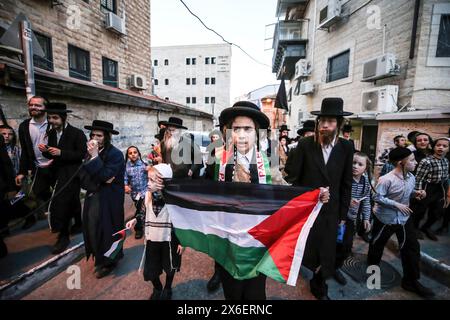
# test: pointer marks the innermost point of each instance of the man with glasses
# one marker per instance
(33, 132)
(67, 147)
(324, 160)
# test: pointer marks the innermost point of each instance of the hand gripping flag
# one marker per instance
(119, 239)
(247, 228)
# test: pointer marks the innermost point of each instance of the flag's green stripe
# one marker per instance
(248, 261)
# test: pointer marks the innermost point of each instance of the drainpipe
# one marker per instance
(414, 29)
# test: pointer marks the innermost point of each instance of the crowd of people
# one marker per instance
(55, 161)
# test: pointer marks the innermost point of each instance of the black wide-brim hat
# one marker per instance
(347, 128)
(247, 109)
(173, 122)
(103, 126)
(332, 107)
(57, 107)
(284, 128)
(399, 154)
(308, 126)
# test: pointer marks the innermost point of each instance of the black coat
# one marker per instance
(7, 183)
(27, 157)
(307, 169)
(73, 150)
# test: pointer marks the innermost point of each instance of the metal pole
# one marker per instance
(27, 51)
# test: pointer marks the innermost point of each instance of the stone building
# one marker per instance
(97, 60)
(388, 60)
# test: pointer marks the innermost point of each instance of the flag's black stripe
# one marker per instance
(205, 195)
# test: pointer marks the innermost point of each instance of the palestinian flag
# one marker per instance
(118, 238)
(247, 228)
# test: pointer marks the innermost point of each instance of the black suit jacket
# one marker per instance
(7, 182)
(27, 157)
(307, 168)
(73, 150)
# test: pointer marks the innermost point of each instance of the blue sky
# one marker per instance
(239, 21)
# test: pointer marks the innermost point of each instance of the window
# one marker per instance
(213, 80)
(206, 60)
(156, 82)
(79, 63)
(194, 100)
(207, 100)
(188, 61)
(338, 66)
(155, 63)
(213, 60)
(194, 81)
(45, 62)
(194, 61)
(188, 100)
(166, 82)
(108, 5)
(206, 80)
(443, 43)
(110, 72)
(297, 87)
(188, 81)
(166, 62)
(213, 99)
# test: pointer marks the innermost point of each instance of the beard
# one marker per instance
(327, 136)
(170, 143)
(36, 113)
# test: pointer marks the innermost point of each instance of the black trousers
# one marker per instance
(344, 249)
(43, 180)
(251, 289)
(434, 202)
(409, 252)
(64, 207)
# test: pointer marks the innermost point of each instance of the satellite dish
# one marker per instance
(11, 37)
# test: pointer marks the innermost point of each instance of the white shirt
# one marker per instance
(245, 159)
(38, 134)
(326, 150)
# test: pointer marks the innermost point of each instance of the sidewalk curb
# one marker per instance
(430, 266)
(34, 278)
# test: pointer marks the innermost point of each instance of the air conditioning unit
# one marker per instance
(306, 87)
(138, 82)
(302, 69)
(381, 99)
(380, 67)
(114, 23)
(329, 14)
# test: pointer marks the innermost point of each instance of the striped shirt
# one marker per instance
(431, 170)
(360, 190)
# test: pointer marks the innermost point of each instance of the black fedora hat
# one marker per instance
(308, 126)
(173, 122)
(245, 108)
(347, 128)
(284, 128)
(57, 107)
(332, 107)
(103, 126)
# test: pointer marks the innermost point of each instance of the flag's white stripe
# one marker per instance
(231, 226)
(113, 247)
(301, 244)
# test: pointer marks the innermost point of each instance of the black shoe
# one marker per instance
(430, 234)
(420, 234)
(214, 282)
(319, 288)
(76, 229)
(3, 249)
(416, 287)
(156, 295)
(442, 231)
(104, 271)
(339, 277)
(61, 245)
(138, 234)
(166, 294)
(29, 222)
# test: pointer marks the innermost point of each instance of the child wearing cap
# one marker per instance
(392, 215)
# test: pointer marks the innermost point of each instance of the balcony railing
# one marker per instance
(289, 37)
